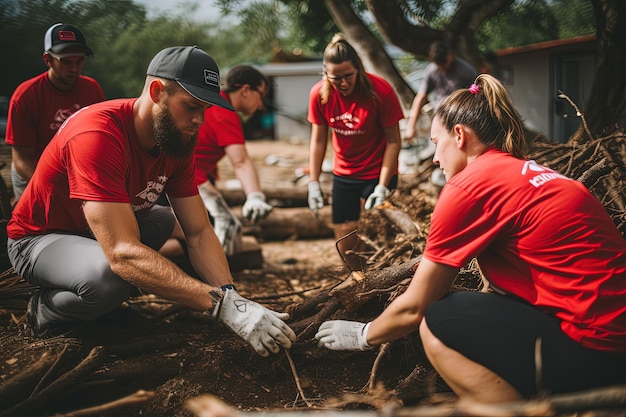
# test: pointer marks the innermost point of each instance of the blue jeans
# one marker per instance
(75, 277)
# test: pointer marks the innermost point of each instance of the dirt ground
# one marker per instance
(151, 357)
(162, 355)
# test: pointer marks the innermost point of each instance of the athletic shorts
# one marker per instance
(347, 194)
(501, 333)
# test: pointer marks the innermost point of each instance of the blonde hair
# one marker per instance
(488, 110)
(337, 51)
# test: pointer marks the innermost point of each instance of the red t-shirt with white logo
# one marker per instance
(96, 156)
(220, 129)
(37, 110)
(540, 236)
(357, 124)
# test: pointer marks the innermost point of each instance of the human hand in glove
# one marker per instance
(377, 197)
(261, 327)
(226, 225)
(316, 200)
(343, 335)
(255, 208)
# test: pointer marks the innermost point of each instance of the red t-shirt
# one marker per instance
(357, 127)
(540, 236)
(37, 109)
(220, 129)
(96, 156)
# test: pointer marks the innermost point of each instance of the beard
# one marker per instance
(169, 138)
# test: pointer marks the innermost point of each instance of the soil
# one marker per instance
(171, 354)
(157, 358)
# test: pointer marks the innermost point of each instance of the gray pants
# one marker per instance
(76, 281)
(18, 183)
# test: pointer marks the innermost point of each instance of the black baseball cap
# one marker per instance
(61, 36)
(193, 69)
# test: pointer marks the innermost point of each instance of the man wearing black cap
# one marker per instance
(86, 229)
(41, 104)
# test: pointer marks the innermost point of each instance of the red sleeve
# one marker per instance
(96, 169)
(220, 129)
(315, 113)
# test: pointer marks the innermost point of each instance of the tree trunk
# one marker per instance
(416, 39)
(606, 108)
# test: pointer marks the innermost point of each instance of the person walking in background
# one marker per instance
(552, 255)
(40, 105)
(87, 229)
(222, 135)
(444, 74)
(362, 110)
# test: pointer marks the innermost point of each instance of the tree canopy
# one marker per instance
(124, 38)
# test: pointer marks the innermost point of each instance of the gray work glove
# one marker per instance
(377, 197)
(315, 198)
(261, 327)
(226, 225)
(255, 208)
(343, 335)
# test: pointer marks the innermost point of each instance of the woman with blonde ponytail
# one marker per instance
(553, 258)
(362, 111)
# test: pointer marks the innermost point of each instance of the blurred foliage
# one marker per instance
(531, 21)
(293, 26)
(125, 38)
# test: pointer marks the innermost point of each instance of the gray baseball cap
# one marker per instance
(193, 69)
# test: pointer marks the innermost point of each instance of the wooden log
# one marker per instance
(401, 220)
(359, 289)
(249, 257)
(292, 223)
(63, 383)
(20, 386)
(279, 196)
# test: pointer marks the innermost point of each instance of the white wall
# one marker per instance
(530, 89)
(292, 83)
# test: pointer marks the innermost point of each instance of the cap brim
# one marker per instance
(57, 49)
(203, 94)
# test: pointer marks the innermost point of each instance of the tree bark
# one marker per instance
(416, 39)
(293, 223)
(606, 108)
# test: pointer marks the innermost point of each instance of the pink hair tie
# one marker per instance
(474, 89)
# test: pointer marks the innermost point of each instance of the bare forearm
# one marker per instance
(317, 150)
(155, 274)
(390, 158)
(398, 320)
(248, 177)
(212, 269)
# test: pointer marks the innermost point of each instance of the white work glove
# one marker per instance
(343, 335)
(316, 200)
(261, 327)
(377, 197)
(255, 208)
(226, 225)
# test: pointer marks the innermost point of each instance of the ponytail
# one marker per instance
(486, 108)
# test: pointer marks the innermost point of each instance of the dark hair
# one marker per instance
(240, 75)
(438, 53)
(487, 110)
(338, 51)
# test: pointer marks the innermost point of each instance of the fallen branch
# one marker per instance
(610, 398)
(139, 397)
(296, 378)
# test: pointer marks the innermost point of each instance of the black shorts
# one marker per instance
(347, 194)
(501, 333)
